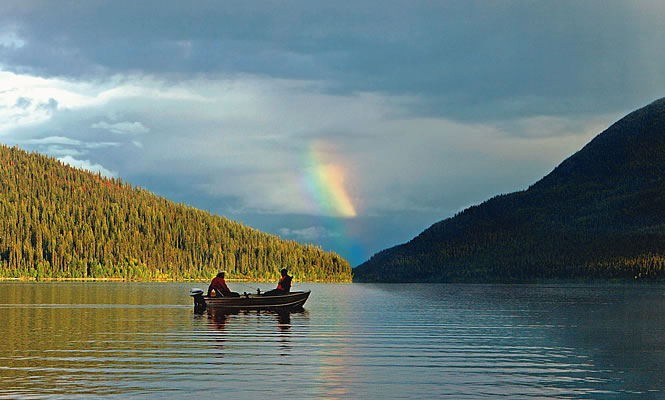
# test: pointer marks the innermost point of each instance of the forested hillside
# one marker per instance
(599, 215)
(61, 222)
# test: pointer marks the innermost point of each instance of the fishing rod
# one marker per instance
(247, 286)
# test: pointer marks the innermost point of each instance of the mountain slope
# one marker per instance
(57, 221)
(599, 214)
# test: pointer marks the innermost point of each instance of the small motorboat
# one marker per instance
(246, 301)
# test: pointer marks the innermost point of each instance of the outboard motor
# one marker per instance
(199, 301)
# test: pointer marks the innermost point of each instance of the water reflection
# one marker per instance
(132, 341)
(218, 318)
(261, 325)
(284, 325)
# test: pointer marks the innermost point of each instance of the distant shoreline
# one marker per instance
(31, 279)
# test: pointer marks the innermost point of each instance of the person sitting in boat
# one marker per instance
(284, 285)
(219, 285)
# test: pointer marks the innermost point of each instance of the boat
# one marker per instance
(247, 301)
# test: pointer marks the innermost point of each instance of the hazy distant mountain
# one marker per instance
(57, 221)
(599, 214)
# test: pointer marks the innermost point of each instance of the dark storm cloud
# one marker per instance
(467, 60)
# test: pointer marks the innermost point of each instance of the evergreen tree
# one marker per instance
(60, 222)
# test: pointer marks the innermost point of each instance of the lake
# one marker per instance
(143, 340)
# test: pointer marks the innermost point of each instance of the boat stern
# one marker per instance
(199, 302)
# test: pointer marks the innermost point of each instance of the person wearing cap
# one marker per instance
(219, 285)
(284, 285)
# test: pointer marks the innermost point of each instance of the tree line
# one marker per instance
(503, 240)
(61, 222)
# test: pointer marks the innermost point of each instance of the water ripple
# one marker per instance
(353, 341)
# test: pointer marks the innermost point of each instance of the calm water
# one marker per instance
(135, 340)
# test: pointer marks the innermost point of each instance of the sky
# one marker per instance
(353, 125)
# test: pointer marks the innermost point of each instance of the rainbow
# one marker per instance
(325, 182)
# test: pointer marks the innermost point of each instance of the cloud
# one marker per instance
(60, 151)
(53, 140)
(23, 103)
(11, 40)
(310, 234)
(521, 59)
(27, 100)
(100, 145)
(59, 146)
(87, 165)
(122, 128)
(247, 141)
